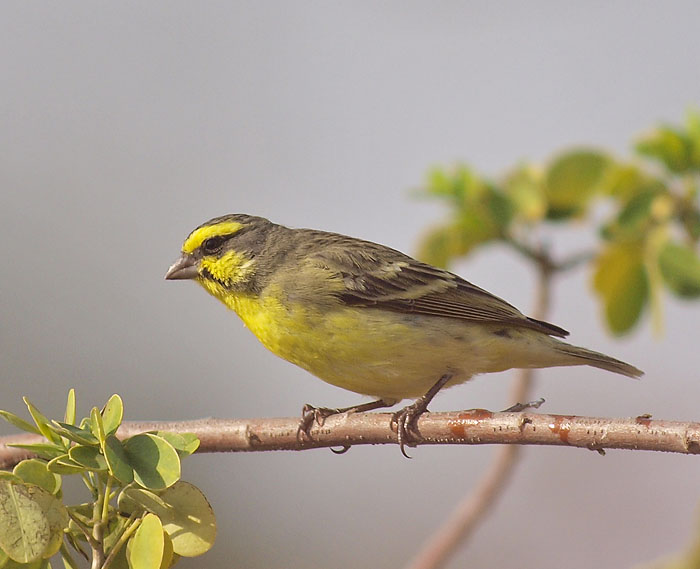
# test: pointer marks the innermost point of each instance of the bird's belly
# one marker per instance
(372, 351)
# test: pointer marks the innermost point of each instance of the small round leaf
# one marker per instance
(145, 548)
(88, 456)
(112, 414)
(34, 471)
(154, 460)
(189, 521)
(117, 460)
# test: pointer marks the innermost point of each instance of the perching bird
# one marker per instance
(365, 317)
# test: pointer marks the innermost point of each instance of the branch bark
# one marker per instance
(472, 427)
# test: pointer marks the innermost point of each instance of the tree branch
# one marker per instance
(472, 427)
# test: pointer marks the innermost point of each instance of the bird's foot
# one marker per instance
(311, 415)
(406, 424)
(519, 407)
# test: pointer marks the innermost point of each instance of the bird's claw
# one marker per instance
(311, 415)
(405, 421)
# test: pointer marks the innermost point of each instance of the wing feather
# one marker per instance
(376, 276)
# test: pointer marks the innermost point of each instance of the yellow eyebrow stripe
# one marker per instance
(198, 236)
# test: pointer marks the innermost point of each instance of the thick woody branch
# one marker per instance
(473, 427)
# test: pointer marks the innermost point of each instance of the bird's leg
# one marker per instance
(405, 419)
(311, 414)
(519, 407)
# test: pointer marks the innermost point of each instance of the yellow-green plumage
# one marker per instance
(363, 316)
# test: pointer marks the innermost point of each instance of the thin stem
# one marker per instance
(132, 524)
(98, 553)
(105, 501)
(83, 528)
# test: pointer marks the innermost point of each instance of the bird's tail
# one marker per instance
(582, 356)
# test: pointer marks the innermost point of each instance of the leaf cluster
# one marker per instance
(140, 514)
(647, 237)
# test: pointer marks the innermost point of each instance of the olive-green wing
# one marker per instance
(377, 276)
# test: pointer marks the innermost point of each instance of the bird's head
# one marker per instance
(221, 254)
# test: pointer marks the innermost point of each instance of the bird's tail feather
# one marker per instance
(596, 359)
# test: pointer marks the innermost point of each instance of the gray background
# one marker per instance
(123, 125)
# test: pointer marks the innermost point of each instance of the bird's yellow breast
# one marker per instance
(369, 351)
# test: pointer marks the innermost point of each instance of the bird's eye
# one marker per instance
(213, 244)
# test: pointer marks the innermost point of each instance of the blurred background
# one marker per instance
(124, 125)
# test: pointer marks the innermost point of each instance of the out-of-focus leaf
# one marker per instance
(633, 219)
(572, 180)
(680, 268)
(621, 281)
(670, 146)
(460, 184)
(525, 187)
(442, 244)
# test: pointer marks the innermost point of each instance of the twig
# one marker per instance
(472, 427)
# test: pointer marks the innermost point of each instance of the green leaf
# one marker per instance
(112, 414)
(98, 428)
(572, 180)
(42, 422)
(145, 548)
(621, 281)
(117, 460)
(75, 434)
(185, 444)
(189, 519)
(35, 471)
(69, 416)
(442, 244)
(168, 553)
(5, 475)
(670, 146)
(155, 462)
(634, 219)
(680, 268)
(64, 465)
(38, 564)
(525, 188)
(42, 450)
(19, 422)
(88, 456)
(136, 499)
(693, 128)
(32, 522)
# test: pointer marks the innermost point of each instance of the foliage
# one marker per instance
(140, 514)
(648, 239)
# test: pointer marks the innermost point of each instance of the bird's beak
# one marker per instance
(184, 268)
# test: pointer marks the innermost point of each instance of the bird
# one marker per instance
(368, 318)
